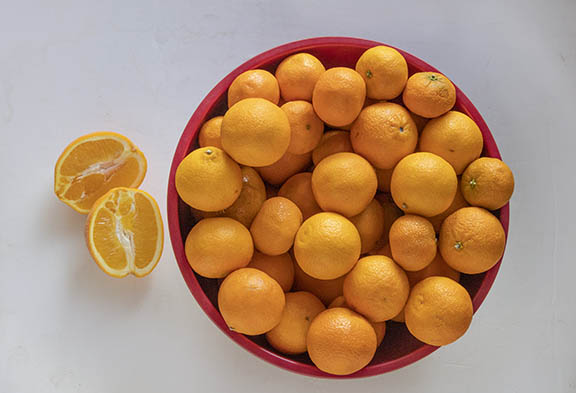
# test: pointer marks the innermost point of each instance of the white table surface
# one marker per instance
(142, 67)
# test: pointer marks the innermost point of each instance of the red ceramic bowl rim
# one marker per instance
(190, 133)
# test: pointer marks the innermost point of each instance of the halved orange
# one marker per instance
(95, 163)
(124, 232)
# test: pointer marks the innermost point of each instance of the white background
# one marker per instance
(142, 67)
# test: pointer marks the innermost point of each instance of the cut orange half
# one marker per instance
(94, 164)
(124, 232)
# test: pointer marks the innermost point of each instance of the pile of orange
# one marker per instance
(363, 192)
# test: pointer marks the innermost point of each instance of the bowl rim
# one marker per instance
(189, 134)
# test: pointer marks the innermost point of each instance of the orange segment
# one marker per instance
(94, 164)
(124, 232)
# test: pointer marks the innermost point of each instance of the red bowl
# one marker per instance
(399, 348)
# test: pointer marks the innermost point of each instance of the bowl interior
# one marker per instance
(399, 347)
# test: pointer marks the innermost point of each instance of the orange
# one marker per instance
(279, 267)
(439, 311)
(438, 267)
(487, 182)
(391, 213)
(288, 165)
(339, 96)
(217, 246)
(423, 184)
(457, 203)
(344, 183)
(379, 327)
(384, 133)
(299, 190)
(251, 198)
(297, 75)
(275, 226)
(472, 240)
(289, 336)
(208, 179)
(385, 72)
(340, 301)
(326, 290)
(384, 177)
(255, 132)
(454, 137)
(209, 134)
(124, 232)
(332, 142)
(93, 164)
(412, 242)
(377, 288)
(251, 302)
(370, 225)
(429, 94)
(327, 246)
(341, 341)
(305, 126)
(254, 84)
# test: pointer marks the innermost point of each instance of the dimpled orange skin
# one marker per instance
(245, 208)
(297, 75)
(299, 190)
(377, 288)
(384, 133)
(335, 141)
(251, 302)
(209, 134)
(326, 290)
(370, 225)
(379, 327)
(279, 267)
(344, 183)
(437, 267)
(341, 341)
(472, 240)
(289, 336)
(255, 132)
(439, 311)
(275, 226)
(385, 72)
(254, 84)
(423, 184)
(454, 137)
(305, 126)
(457, 203)
(208, 179)
(412, 242)
(429, 94)
(288, 165)
(487, 182)
(217, 246)
(339, 95)
(327, 246)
